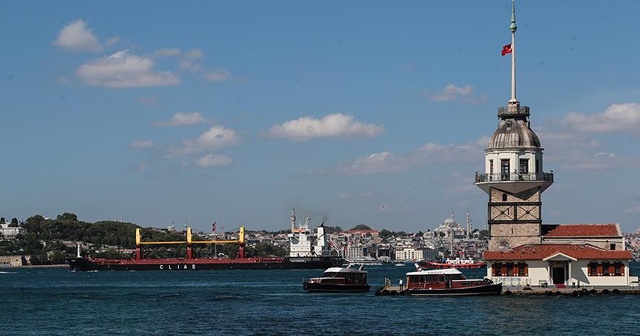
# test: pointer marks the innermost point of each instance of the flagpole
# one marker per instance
(513, 28)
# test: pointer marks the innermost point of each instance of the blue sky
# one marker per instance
(353, 112)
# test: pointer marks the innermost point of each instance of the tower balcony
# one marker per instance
(514, 182)
(513, 111)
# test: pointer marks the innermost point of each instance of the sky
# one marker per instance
(351, 112)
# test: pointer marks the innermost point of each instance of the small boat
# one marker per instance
(348, 279)
(399, 264)
(454, 263)
(448, 282)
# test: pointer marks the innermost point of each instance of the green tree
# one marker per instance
(361, 227)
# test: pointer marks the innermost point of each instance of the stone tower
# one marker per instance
(514, 178)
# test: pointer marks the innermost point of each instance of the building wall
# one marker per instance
(11, 261)
(578, 275)
(513, 235)
(516, 220)
(602, 242)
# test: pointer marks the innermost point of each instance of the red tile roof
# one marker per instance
(585, 230)
(542, 251)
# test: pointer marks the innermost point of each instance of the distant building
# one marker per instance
(415, 254)
(450, 229)
(8, 232)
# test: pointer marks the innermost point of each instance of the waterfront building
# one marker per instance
(523, 250)
(417, 254)
(7, 231)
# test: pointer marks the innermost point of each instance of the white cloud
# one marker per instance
(454, 93)
(623, 118)
(123, 69)
(386, 162)
(142, 144)
(213, 160)
(189, 62)
(76, 36)
(195, 54)
(183, 119)
(218, 75)
(214, 138)
(333, 125)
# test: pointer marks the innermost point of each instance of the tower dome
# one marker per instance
(513, 133)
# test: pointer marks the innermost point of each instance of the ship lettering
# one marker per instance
(161, 266)
(185, 266)
(193, 266)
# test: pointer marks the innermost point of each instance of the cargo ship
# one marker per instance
(307, 250)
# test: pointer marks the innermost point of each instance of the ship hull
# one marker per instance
(335, 288)
(82, 264)
(488, 289)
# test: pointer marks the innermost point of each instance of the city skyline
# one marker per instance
(360, 112)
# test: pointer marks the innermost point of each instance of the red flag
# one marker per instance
(506, 49)
(213, 227)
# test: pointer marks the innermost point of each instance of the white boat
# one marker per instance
(348, 279)
(448, 281)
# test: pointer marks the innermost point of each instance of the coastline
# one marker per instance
(40, 266)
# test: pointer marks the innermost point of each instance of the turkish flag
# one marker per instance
(506, 49)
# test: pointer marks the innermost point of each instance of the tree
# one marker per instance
(68, 217)
(361, 227)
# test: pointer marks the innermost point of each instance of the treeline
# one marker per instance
(50, 241)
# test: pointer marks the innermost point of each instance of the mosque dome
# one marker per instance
(450, 222)
(514, 133)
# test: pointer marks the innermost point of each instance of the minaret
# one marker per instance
(514, 178)
(468, 225)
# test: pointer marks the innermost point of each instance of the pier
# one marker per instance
(392, 290)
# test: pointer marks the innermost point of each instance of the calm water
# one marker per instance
(58, 302)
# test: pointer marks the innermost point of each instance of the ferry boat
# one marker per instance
(454, 263)
(448, 282)
(308, 250)
(339, 280)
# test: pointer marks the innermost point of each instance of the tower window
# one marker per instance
(504, 169)
(504, 197)
(524, 166)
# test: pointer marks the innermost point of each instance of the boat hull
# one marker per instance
(335, 288)
(82, 264)
(488, 289)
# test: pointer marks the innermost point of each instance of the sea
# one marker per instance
(56, 301)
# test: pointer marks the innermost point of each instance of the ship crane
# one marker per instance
(189, 241)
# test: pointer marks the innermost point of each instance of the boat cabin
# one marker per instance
(442, 278)
(341, 275)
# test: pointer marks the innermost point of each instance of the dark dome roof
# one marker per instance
(514, 133)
